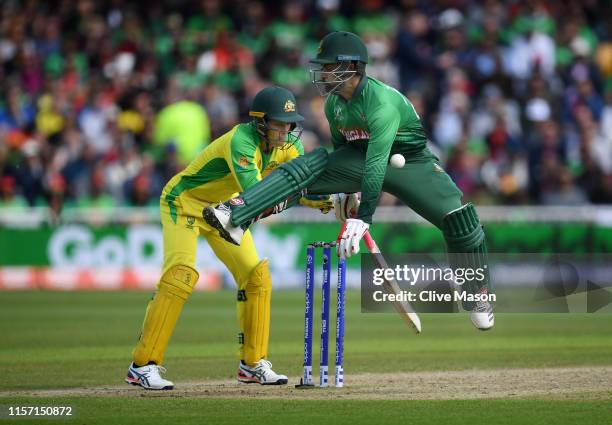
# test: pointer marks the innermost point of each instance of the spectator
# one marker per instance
(31, 173)
(184, 124)
(102, 100)
(414, 51)
(221, 108)
(454, 106)
(290, 73)
(463, 166)
(564, 191)
(94, 122)
(18, 112)
(8, 198)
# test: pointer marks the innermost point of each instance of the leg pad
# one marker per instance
(254, 314)
(163, 312)
(466, 246)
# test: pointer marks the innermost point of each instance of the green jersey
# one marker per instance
(380, 121)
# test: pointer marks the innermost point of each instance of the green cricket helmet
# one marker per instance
(337, 52)
(275, 103)
(278, 104)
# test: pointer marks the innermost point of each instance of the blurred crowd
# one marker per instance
(101, 102)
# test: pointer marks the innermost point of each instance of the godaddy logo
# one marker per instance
(76, 245)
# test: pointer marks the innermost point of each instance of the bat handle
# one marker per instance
(341, 232)
(370, 243)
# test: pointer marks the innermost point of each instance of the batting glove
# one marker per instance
(348, 244)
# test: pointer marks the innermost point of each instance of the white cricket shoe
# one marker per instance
(261, 373)
(482, 316)
(148, 377)
(219, 217)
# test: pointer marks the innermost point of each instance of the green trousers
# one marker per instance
(421, 184)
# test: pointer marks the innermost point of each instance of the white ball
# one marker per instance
(397, 160)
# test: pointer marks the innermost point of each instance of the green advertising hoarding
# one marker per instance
(141, 244)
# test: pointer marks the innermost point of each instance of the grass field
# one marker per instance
(82, 342)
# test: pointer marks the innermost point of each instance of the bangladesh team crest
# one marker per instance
(338, 113)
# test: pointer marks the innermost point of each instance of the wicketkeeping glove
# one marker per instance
(278, 208)
(346, 205)
(323, 203)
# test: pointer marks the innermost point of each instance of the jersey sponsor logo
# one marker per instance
(354, 134)
(236, 201)
(244, 162)
(289, 106)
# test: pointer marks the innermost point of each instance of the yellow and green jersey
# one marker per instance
(229, 165)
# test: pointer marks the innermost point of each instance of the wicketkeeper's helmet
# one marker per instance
(276, 103)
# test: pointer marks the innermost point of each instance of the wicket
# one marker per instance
(306, 380)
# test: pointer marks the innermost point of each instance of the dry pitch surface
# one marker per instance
(587, 383)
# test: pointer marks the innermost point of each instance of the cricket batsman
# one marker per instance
(231, 164)
(369, 122)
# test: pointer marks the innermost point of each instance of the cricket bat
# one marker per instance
(404, 309)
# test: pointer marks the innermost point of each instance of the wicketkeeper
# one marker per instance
(231, 164)
(369, 122)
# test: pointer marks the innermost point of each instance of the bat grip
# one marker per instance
(341, 232)
(370, 243)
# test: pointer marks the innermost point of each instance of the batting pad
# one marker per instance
(162, 313)
(466, 245)
(255, 323)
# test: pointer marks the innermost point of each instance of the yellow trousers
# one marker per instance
(179, 276)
